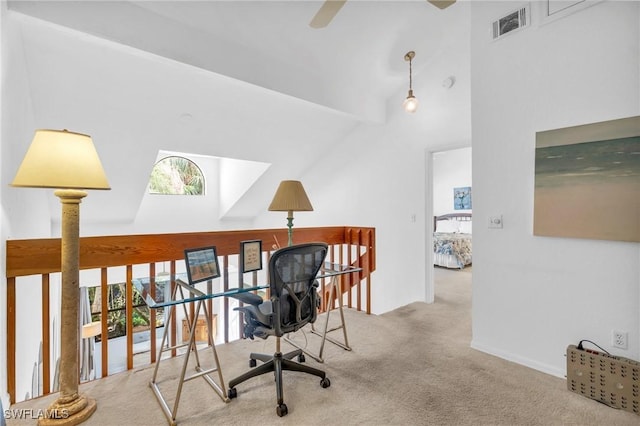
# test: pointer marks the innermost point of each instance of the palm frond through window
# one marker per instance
(176, 176)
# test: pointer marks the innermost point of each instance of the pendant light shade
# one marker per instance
(411, 103)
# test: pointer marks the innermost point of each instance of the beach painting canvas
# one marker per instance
(587, 181)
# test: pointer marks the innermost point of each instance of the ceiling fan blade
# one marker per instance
(326, 13)
(442, 4)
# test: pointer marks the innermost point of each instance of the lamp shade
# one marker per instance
(290, 197)
(61, 159)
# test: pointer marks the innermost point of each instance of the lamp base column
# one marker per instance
(290, 226)
(71, 408)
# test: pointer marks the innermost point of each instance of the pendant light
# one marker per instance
(411, 103)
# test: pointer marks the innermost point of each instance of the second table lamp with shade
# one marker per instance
(290, 197)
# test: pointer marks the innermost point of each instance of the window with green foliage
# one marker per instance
(176, 176)
(117, 309)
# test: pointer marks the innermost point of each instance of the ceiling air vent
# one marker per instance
(510, 22)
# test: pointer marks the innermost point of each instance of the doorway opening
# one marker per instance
(449, 213)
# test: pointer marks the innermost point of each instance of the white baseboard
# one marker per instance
(527, 362)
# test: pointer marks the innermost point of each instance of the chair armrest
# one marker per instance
(248, 298)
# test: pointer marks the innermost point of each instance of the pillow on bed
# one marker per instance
(465, 227)
(447, 226)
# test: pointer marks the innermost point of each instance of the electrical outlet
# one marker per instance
(619, 339)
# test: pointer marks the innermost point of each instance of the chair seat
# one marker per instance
(258, 320)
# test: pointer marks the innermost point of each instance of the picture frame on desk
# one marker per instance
(202, 264)
(250, 256)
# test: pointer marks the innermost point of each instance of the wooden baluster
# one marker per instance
(342, 261)
(365, 265)
(225, 287)
(104, 317)
(268, 273)
(356, 274)
(347, 277)
(371, 257)
(129, 316)
(46, 336)
(11, 339)
(209, 303)
(152, 313)
(323, 283)
(240, 315)
(172, 325)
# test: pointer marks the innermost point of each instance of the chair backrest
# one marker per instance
(292, 273)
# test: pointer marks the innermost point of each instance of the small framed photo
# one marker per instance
(202, 264)
(250, 255)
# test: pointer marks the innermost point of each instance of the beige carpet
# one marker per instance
(411, 366)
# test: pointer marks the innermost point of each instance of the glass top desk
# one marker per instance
(333, 272)
(154, 300)
(182, 293)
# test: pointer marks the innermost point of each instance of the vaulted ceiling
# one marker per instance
(241, 79)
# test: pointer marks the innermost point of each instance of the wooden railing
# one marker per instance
(348, 245)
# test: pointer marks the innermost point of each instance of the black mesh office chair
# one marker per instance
(293, 304)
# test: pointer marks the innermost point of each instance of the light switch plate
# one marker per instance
(495, 221)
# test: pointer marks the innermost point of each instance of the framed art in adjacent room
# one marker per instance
(587, 181)
(462, 198)
(250, 256)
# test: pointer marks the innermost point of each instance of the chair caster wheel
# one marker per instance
(301, 358)
(252, 363)
(325, 383)
(232, 393)
(282, 410)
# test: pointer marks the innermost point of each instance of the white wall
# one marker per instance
(451, 169)
(236, 177)
(532, 296)
(18, 121)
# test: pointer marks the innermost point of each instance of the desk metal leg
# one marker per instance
(220, 389)
(335, 286)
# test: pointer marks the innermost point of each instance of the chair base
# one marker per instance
(277, 363)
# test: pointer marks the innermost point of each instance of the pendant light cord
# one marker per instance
(410, 74)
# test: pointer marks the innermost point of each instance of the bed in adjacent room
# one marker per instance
(452, 240)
